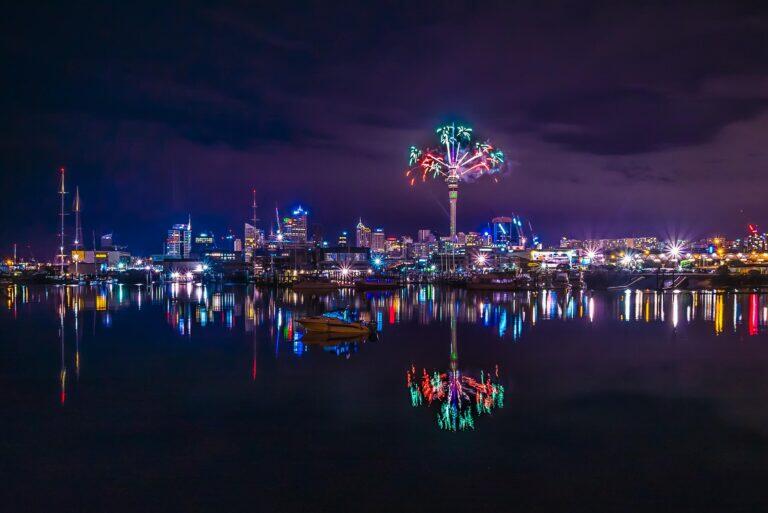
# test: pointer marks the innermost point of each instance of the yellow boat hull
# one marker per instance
(330, 325)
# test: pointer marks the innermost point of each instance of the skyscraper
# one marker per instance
(755, 241)
(178, 243)
(204, 241)
(250, 238)
(502, 230)
(425, 236)
(297, 231)
(363, 238)
(378, 241)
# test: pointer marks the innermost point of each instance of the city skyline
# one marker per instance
(670, 140)
(74, 238)
(325, 256)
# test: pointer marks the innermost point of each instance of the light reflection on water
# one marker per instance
(189, 306)
(220, 377)
(506, 316)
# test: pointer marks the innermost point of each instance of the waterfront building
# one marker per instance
(636, 243)
(92, 262)
(555, 257)
(345, 255)
(218, 255)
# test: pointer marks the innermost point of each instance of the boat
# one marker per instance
(557, 281)
(500, 281)
(627, 285)
(453, 281)
(315, 284)
(324, 324)
(576, 279)
(378, 283)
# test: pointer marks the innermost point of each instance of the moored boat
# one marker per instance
(323, 324)
(557, 281)
(315, 284)
(505, 282)
(378, 283)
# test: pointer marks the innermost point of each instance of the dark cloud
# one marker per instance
(634, 121)
(308, 101)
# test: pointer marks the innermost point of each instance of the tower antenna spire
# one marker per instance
(277, 217)
(254, 206)
(78, 242)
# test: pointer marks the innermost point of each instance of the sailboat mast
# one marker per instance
(62, 192)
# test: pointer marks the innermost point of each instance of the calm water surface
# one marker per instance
(192, 398)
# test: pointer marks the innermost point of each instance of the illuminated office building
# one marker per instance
(378, 241)
(426, 236)
(178, 243)
(296, 230)
(363, 235)
(203, 242)
(251, 238)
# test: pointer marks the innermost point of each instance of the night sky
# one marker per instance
(618, 120)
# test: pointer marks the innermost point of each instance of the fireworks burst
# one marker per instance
(457, 158)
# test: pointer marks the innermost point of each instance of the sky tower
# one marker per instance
(458, 157)
(453, 198)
